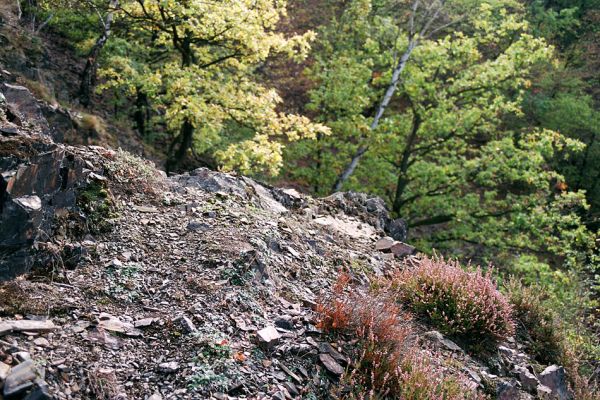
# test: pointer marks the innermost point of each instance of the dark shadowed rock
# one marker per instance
(39, 180)
(23, 107)
(507, 391)
(397, 229)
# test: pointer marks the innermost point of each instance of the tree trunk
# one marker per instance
(88, 76)
(387, 97)
(142, 112)
(186, 135)
(184, 139)
(405, 163)
(19, 11)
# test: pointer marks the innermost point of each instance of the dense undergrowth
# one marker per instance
(387, 362)
(465, 303)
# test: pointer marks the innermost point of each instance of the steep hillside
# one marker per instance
(201, 285)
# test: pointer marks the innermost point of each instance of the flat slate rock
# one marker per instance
(331, 365)
(26, 325)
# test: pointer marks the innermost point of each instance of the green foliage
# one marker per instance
(213, 370)
(442, 155)
(77, 21)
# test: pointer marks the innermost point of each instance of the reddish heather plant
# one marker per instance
(458, 301)
(387, 364)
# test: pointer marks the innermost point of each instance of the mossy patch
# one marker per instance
(97, 204)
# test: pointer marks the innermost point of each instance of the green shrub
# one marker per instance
(459, 302)
(536, 322)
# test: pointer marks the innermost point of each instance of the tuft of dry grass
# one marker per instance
(135, 174)
(103, 383)
(38, 89)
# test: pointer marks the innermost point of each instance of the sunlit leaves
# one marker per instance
(207, 53)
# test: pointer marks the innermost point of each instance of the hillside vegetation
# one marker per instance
(441, 240)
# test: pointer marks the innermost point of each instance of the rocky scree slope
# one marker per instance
(120, 283)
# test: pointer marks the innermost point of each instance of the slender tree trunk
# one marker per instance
(19, 11)
(405, 163)
(88, 76)
(142, 114)
(185, 139)
(186, 135)
(318, 164)
(385, 101)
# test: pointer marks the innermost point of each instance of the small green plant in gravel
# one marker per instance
(124, 282)
(213, 370)
(97, 205)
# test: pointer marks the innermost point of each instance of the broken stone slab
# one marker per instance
(42, 342)
(23, 105)
(144, 322)
(29, 203)
(506, 351)
(291, 373)
(291, 388)
(4, 371)
(268, 337)
(331, 365)
(385, 243)
(507, 390)
(554, 377)
(528, 380)
(197, 226)
(113, 324)
(543, 392)
(26, 325)
(325, 347)
(21, 378)
(169, 367)
(146, 209)
(439, 339)
(400, 249)
(187, 324)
